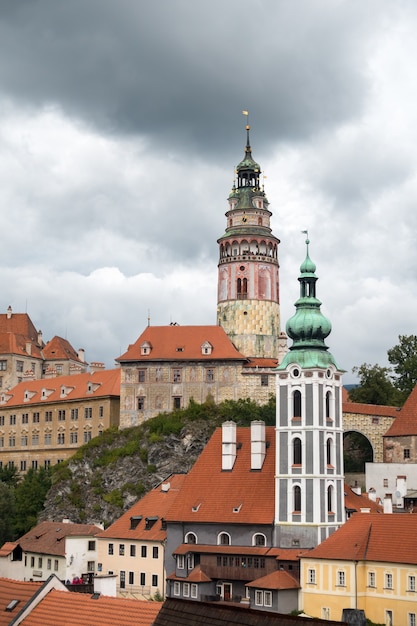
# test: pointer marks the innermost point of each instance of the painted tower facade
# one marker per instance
(309, 447)
(248, 269)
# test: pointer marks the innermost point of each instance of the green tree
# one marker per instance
(7, 508)
(403, 357)
(30, 496)
(375, 386)
(9, 475)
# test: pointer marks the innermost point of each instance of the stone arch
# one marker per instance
(357, 449)
(373, 424)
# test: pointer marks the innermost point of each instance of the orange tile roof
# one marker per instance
(195, 576)
(287, 554)
(79, 609)
(406, 420)
(275, 580)
(261, 362)
(356, 502)
(15, 590)
(370, 409)
(156, 503)
(214, 494)
(13, 343)
(182, 343)
(390, 538)
(7, 548)
(105, 383)
(59, 348)
(18, 324)
(185, 548)
(47, 537)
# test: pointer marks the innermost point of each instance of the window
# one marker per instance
(3, 365)
(101, 411)
(87, 436)
(91, 565)
(121, 549)
(48, 416)
(143, 552)
(259, 540)
(88, 412)
(141, 376)
(191, 538)
(296, 447)
(194, 592)
(155, 552)
(47, 439)
(267, 598)
(328, 396)
(61, 415)
(34, 464)
(209, 375)
(311, 576)
(154, 580)
(341, 579)
(176, 403)
(25, 418)
(177, 588)
(19, 366)
(406, 453)
(47, 463)
(35, 418)
(223, 539)
(35, 439)
(296, 404)
(91, 544)
(12, 420)
(176, 375)
(264, 380)
(140, 402)
(1, 420)
(40, 562)
(1, 442)
(329, 451)
(73, 437)
(186, 590)
(12, 442)
(371, 579)
(56, 565)
(22, 466)
(242, 288)
(24, 440)
(74, 414)
(122, 579)
(385, 483)
(111, 549)
(143, 579)
(329, 499)
(325, 612)
(297, 498)
(259, 597)
(132, 549)
(190, 561)
(61, 439)
(32, 561)
(411, 619)
(131, 578)
(388, 618)
(49, 564)
(180, 561)
(411, 583)
(388, 581)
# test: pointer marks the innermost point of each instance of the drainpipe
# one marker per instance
(356, 584)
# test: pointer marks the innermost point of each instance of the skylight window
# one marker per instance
(12, 605)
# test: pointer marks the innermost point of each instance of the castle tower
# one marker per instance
(248, 278)
(309, 499)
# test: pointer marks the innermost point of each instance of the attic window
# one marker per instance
(145, 348)
(134, 521)
(206, 348)
(96, 596)
(236, 509)
(12, 605)
(295, 542)
(196, 507)
(150, 521)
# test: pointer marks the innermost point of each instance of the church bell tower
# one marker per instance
(248, 268)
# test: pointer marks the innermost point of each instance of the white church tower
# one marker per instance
(309, 465)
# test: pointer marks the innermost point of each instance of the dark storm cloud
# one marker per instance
(179, 72)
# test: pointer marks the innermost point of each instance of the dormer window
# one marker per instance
(206, 348)
(150, 521)
(134, 521)
(145, 348)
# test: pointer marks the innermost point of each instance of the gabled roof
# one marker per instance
(80, 609)
(390, 538)
(15, 590)
(238, 496)
(103, 383)
(182, 343)
(18, 324)
(155, 504)
(7, 548)
(406, 418)
(60, 349)
(356, 502)
(13, 343)
(195, 576)
(275, 580)
(49, 537)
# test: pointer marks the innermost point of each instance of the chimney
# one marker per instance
(258, 444)
(28, 348)
(9, 312)
(388, 503)
(372, 494)
(81, 354)
(40, 339)
(228, 445)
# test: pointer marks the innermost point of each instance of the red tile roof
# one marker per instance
(48, 537)
(13, 343)
(185, 548)
(182, 343)
(388, 538)
(214, 494)
(406, 420)
(275, 580)
(195, 576)
(59, 348)
(104, 383)
(7, 548)
(15, 590)
(260, 362)
(79, 609)
(18, 324)
(156, 503)
(370, 409)
(355, 502)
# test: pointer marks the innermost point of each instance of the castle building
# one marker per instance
(167, 366)
(309, 501)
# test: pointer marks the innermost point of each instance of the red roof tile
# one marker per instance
(356, 502)
(156, 503)
(18, 324)
(195, 576)
(47, 537)
(13, 343)
(185, 548)
(269, 363)
(79, 609)
(210, 494)
(7, 548)
(59, 348)
(406, 420)
(14, 590)
(275, 580)
(370, 409)
(182, 343)
(104, 383)
(370, 537)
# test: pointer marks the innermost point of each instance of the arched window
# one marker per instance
(191, 538)
(329, 452)
(330, 499)
(259, 540)
(223, 539)
(328, 398)
(297, 498)
(296, 402)
(296, 448)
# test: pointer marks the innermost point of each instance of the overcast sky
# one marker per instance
(121, 126)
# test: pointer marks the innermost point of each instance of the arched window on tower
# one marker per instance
(328, 405)
(296, 403)
(297, 499)
(297, 451)
(242, 288)
(329, 455)
(330, 499)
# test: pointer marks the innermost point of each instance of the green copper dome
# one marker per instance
(308, 327)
